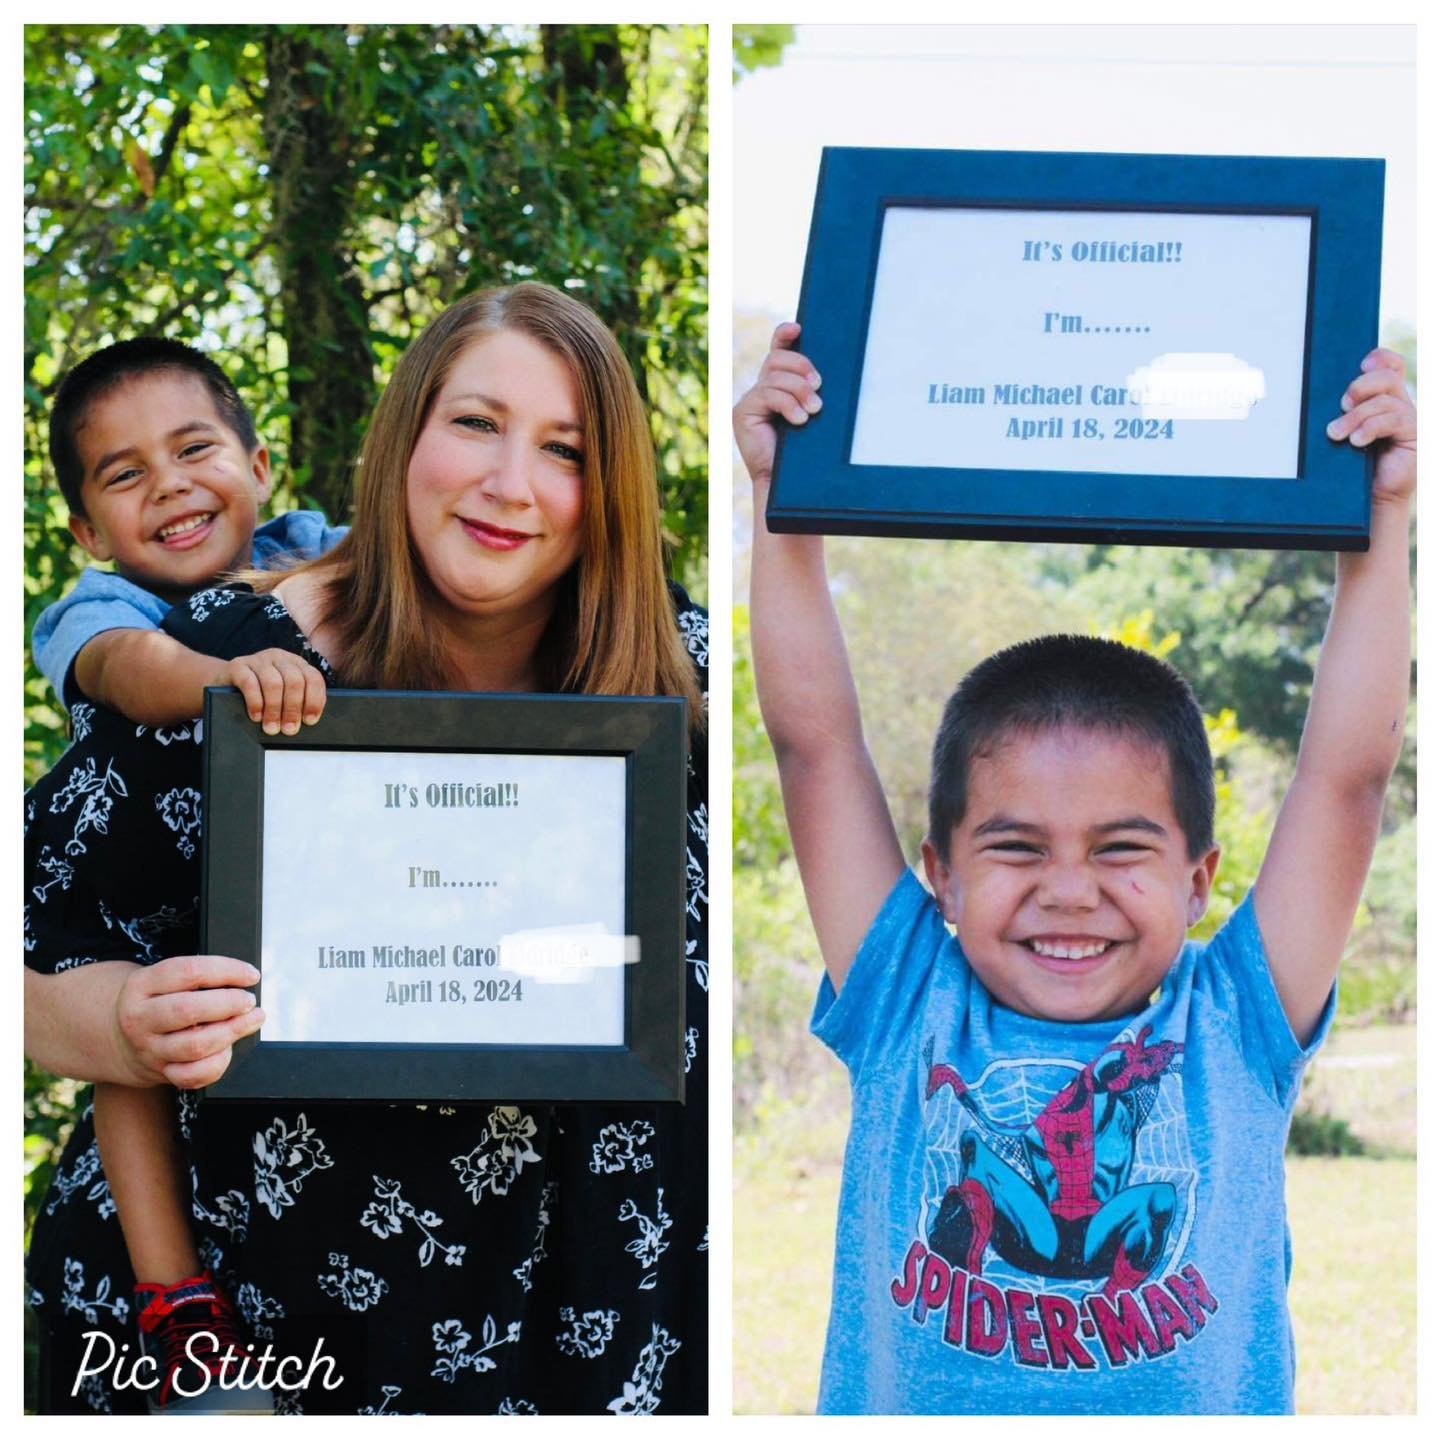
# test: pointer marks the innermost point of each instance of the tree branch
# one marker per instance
(178, 121)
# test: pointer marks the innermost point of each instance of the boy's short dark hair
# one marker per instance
(1075, 680)
(101, 372)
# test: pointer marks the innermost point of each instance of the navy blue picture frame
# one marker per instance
(648, 732)
(815, 488)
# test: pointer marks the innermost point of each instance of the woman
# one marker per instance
(466, 1259)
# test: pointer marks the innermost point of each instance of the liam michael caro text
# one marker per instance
(249, 1371)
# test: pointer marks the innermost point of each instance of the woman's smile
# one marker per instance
(495, 537)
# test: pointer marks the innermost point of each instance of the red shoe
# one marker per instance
(189, 1331)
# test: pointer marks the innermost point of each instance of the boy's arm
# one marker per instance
(152, 678)
(840, 825)
(1314, 871)
(99, 602)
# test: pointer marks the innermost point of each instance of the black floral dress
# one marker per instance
(469, 1259)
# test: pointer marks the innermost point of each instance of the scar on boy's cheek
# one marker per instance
(1135, 886)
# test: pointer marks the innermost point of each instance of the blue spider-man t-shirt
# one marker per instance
(1039, 1217)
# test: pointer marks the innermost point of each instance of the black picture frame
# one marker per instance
(649, 733)
(816, 489)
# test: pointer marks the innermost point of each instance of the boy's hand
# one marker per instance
(1377, 406)
(786, 386)
(280, 689)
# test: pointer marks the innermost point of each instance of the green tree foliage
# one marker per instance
(756, 47)
(302, 200)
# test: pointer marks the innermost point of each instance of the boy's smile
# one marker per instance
(171, 495)
(1067, 880)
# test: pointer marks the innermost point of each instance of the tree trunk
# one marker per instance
(331, 367)
(587, 66)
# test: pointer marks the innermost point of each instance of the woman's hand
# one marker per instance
(1377, 406)
(175, 1021)
(786, 386)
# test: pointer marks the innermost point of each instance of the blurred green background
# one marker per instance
(301, 200)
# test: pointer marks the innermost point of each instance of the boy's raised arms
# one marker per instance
(840, 825)
(1310, 884)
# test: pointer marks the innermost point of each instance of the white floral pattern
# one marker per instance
(144, 930)
(696, 886)
(230, 1214)
(385, 1216)
(258, 1310)
(98, 793)
(84, 1175)
(649, 1245)
(388, 1393)
(641, 1395)
(61, 873)
(204, 603)
(525, 1271)
(695, 628)
(180, 810)
(500, 1156)
(97, 1395)
(174, 734)
(187, 1107)
(588, 1334)
(617, 1148)
(700, 963)
(82, 715)
(74, 1298)
(355, 1287)
(451, 1342)
(284, 1158)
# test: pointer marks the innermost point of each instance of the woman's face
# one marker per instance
(494, 495)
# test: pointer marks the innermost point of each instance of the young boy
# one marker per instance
(158, 460)
(160, 465)
(1063, 1190)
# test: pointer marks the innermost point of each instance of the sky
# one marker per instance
(1332, 90)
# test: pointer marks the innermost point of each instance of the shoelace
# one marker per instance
(174, 1333)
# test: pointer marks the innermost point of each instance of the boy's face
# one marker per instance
(1067, 880)
(170, 493)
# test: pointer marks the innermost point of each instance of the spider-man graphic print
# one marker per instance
(1045, 1171)
(1075, 1214)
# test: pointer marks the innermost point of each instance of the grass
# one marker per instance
(1352, 1219)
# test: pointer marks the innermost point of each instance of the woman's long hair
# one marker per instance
(613, 630)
